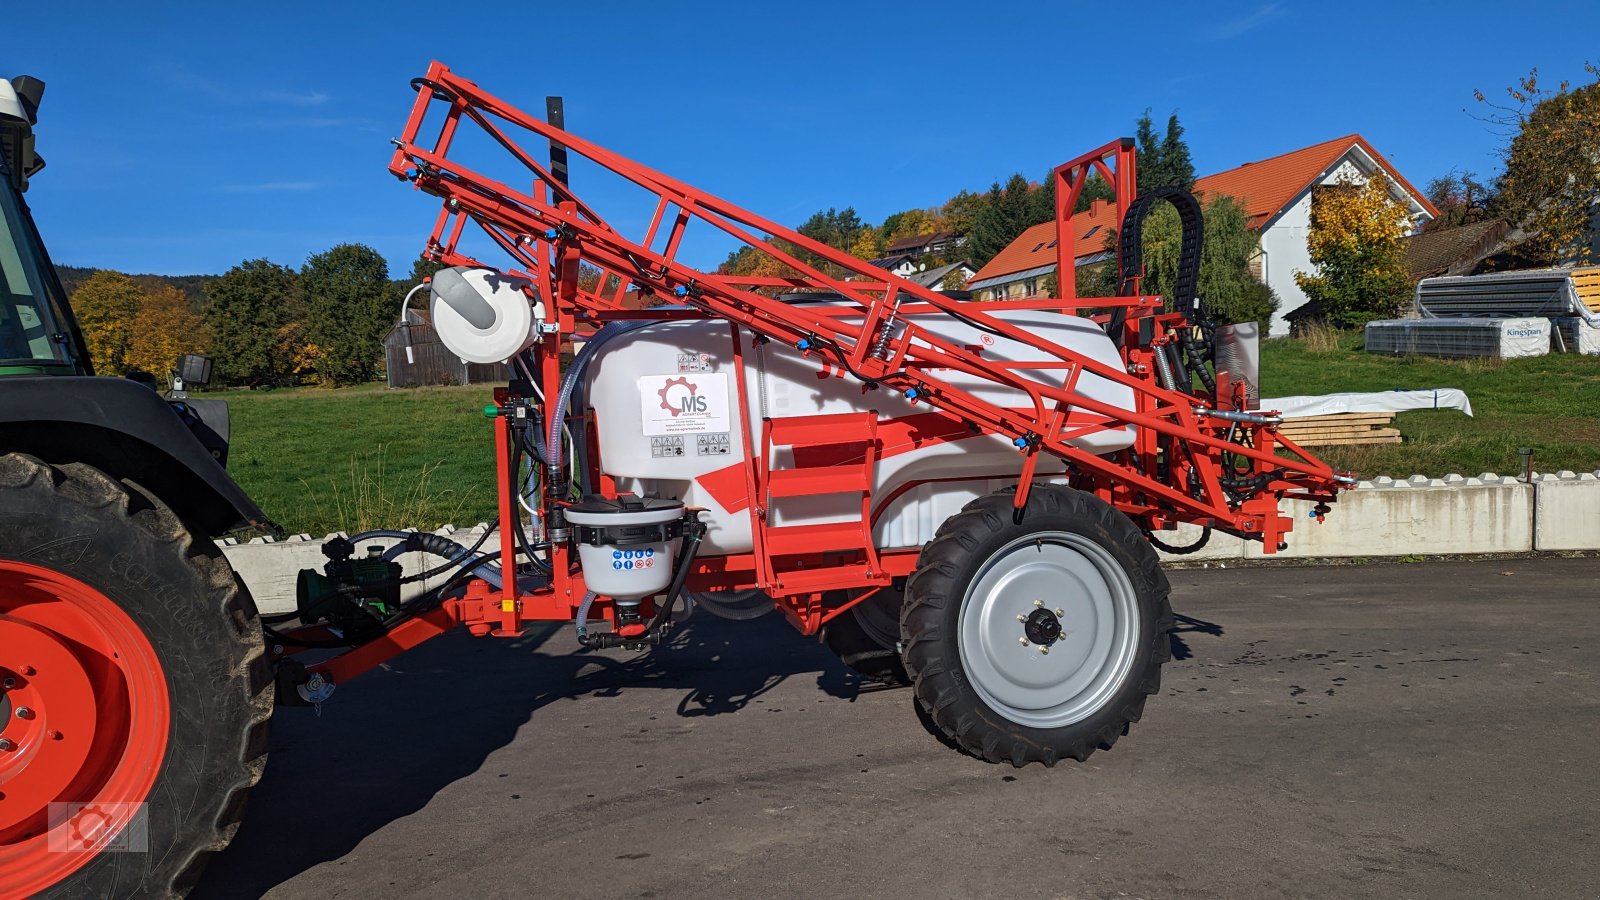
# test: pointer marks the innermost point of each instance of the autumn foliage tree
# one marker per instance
(1356, 241)
(164, 328)
(1552, 177)
(130, 328)
(106, 303)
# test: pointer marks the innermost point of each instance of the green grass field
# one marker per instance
(1549, 403)
(321, 460)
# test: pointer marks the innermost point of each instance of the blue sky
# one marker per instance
(183, 138)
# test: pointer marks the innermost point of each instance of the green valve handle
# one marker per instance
(491, 411)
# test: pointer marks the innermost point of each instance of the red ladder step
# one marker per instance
(817, 481)
(816, 431)
(789, 540)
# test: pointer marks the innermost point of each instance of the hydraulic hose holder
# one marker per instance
(1185, 287)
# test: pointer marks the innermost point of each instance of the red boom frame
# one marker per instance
(1186, 446)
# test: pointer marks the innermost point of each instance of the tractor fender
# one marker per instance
(128, 431)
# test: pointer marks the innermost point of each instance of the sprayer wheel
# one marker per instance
(867, 638)
(1038, 633)
(133, 667)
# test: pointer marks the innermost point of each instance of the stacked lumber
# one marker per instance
(1586, 283)
(1341, 429)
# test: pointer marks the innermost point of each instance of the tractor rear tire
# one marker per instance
(1036, 634)
(866, 638)
(134, 683)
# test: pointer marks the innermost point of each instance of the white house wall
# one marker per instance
(1284, 245)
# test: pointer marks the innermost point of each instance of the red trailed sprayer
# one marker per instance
(963, 496)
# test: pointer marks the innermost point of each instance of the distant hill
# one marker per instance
(193, 286)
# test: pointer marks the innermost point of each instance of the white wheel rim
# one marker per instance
(1049, 683)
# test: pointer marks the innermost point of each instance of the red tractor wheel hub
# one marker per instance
(84, 716)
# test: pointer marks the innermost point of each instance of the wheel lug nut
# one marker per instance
(24, 713)
(1038, 603)
(1023, 641)
(6, 745)
(9, 683)
(1045, 650)
(1060, 613)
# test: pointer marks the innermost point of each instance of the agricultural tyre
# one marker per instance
(866, 638)
(136, 693)
(1036, 634)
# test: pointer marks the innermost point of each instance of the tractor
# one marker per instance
(131, 657)
(963, 497)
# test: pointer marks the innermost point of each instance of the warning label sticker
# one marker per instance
(686, 403)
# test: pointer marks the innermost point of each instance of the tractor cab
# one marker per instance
(38, 335)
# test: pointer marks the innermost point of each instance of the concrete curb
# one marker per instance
(1489, 513)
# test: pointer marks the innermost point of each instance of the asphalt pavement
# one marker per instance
(1424, 730)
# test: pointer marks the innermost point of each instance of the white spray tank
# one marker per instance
(667, 408)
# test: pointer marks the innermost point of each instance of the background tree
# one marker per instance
(1552, 174)
(251, 306)
(909, 223)
(1042, 200)
(349, 308)
(106, 303)
(1227, 289)
(1147, 152)
(960, 213)
(834, 227)
(423, 267)
(1356, 241)
(1177, 166)
(1164, 161)
(1460, 198)
(868, 245)
(1005, 214)
(164, 328)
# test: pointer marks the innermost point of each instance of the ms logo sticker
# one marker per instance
(687, 403)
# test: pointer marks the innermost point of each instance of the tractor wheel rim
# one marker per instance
(1049, 629)
(78, 764)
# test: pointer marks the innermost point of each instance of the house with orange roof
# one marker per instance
(1276, 196)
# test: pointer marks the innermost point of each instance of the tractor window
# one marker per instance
(30, 333)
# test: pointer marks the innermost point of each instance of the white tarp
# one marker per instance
(1575, 335)
(1460, 338)
(1377, 401)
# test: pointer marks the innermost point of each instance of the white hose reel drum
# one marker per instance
(484, 316)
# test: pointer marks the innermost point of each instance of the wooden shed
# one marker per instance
(430, 361)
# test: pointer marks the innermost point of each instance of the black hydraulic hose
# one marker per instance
(1185, 286)
(691, 549)
(1131, 245)
(1205, 538)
